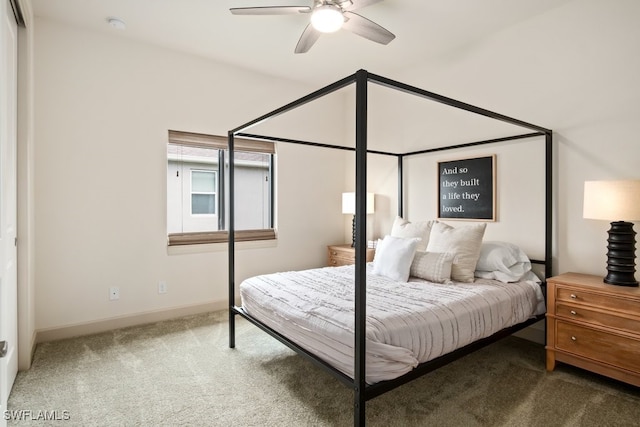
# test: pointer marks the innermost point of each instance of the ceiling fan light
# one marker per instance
(327, 18)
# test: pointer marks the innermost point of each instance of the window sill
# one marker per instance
(200, 238)
(222, 247)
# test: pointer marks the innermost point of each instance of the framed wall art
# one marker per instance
(467, 189)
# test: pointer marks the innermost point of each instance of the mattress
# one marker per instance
(407, 322)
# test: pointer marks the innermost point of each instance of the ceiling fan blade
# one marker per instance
(368, 29)
(359, 4)
(309, 36)
(270, 10)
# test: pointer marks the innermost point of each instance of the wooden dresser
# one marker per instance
(345, 255)
(594, 326)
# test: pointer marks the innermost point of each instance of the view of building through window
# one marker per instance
(197, 189)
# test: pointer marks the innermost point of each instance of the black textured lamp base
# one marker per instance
(621, 255)
(353, 232)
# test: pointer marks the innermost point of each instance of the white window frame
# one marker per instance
(214, 193)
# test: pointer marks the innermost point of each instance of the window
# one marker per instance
(203, 192)
(197, 189)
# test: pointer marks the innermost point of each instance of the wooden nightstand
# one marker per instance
(594, 326)
(345, 255)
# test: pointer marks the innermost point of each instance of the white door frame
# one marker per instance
(8, 202)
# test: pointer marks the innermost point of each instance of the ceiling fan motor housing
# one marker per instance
(327, 18)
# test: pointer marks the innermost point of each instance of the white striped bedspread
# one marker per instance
(407, 323)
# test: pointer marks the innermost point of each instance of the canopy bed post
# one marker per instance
(400, 186)
(232, 242)
(548, 203)
(361, 247)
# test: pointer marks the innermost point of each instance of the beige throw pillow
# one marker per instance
(432, 266)
(405, 229)
(463, 242)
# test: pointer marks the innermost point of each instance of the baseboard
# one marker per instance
(25, 363)
(94, 327)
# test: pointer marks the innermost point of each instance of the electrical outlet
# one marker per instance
(114, 293)
(162, 287)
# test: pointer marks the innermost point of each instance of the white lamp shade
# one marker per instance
(612, 200)
(349, 203)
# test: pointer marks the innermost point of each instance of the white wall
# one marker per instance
(574, 70)
(103, 107)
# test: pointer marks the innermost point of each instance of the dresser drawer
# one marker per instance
(335, 261)
(613, 302)
(341, 252)
(341, 255)
(601, 346)
(583, 314)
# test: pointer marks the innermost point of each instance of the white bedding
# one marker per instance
(407, 322)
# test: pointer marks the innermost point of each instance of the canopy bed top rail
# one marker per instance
(366, 77)
(473, 144)
(299, 102)
(383, 81)
(386, 153)
(310, 143)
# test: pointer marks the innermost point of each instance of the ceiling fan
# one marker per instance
(327, 16)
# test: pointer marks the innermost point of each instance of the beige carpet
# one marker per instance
(182, 372)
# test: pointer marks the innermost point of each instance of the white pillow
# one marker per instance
(393, 257)
(503, 261)
(496, 275)
(432, 266)
(405, 229)
(464, 242)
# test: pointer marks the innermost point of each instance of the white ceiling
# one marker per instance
(424, 29)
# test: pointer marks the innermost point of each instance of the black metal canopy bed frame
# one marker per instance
(362, 390)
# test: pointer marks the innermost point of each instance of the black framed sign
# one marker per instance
(467, 189)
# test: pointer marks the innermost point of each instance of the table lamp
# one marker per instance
(617, 201)
(349, 207)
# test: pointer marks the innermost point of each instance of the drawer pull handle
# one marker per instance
(334, 253)
(573, 296)
(573, 338)
(573, 312)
